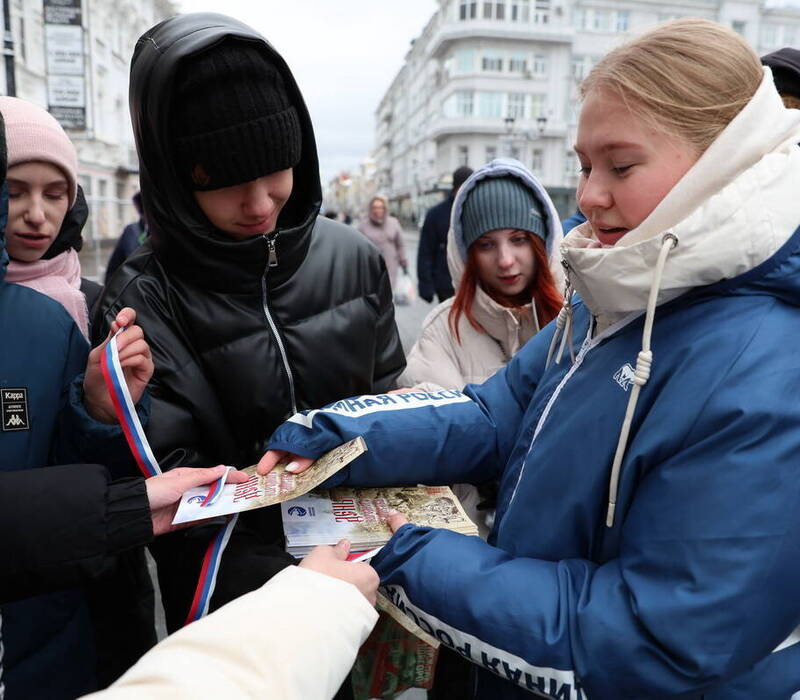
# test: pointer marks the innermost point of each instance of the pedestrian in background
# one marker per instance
(575, 219)
(133, 235)
(503, 257)
(385, 232)
(47, 210)
(433, 275)
(785, 67)
(254, 305)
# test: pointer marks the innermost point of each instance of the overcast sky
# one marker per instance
(343, 53)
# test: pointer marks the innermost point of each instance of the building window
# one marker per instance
(542, 13)
(769, 35)
(122, 202)
(463, 155)
(570, 167)
(487, 9)
(520, 11)
(537, 160)
(492, 63)
(517, 63)
(21, 39)
(467, 9)
(623, 20)
(500, 10)
(491, 153)
(490, 105)
(514, 152)
(465, 60)
(540, 65)
(464, 104)
(739, 26)
(537, 106)
(579, 18)
(516, 105)
(602, 21)
(571, 112)
(578, 67)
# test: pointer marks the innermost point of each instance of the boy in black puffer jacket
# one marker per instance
(254, 305)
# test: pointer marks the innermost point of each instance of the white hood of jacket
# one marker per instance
(730, 212)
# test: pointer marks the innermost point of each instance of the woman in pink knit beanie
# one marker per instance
(46, 210)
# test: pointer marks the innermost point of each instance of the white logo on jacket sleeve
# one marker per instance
(624, 376)
(540, 681)
(362, 405)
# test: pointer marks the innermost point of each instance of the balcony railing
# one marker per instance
(555, 30)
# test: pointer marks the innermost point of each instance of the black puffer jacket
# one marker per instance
(239, 345)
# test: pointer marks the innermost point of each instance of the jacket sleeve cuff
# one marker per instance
(95, 427)
(128, 515)
(88, 440)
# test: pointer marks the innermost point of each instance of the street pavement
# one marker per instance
(409, 317)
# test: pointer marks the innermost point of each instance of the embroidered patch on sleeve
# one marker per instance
(14, 409)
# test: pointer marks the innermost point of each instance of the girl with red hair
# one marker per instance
(504, 233)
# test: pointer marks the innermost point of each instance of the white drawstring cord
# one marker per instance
(564, 317)
(644, 361)
(566, 338)
(561, 319)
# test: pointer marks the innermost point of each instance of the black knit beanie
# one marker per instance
(233, 120)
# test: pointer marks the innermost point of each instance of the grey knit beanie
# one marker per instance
(498, 203)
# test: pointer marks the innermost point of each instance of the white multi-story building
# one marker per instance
(108, 166)
(489, 78)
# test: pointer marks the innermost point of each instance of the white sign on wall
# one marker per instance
(66, 91)
(66, 67)
(64, 49)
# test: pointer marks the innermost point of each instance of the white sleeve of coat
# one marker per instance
(432, 365)
(295, 637)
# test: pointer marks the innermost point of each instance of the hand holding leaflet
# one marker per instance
(259, 491)
(333, 561)
(165, 490)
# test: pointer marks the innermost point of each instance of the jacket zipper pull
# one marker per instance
(273, 256)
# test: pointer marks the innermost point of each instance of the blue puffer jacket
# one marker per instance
(47, 638)
(694, 587)
(693, 591)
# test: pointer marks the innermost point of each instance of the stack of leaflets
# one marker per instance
(359, 515)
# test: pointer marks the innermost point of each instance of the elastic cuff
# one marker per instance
(128, 515)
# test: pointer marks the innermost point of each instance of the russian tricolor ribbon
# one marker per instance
(140, 448)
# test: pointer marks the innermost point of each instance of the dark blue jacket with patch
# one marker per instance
(693, 592)
(47, 638)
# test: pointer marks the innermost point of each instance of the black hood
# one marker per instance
(182, 237)
(71, 233)
(785, 66)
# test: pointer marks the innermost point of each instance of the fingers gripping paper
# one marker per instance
(260, 491)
